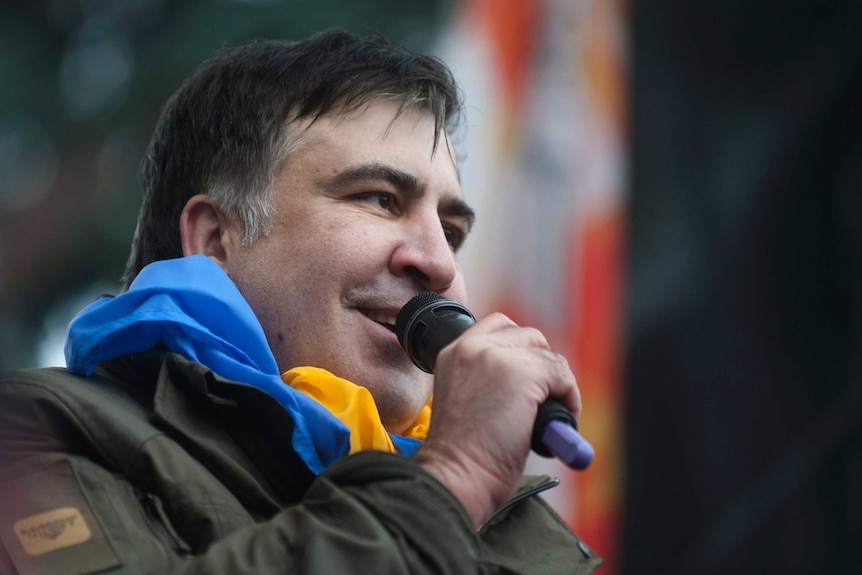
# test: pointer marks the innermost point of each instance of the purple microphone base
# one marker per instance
(567, 444)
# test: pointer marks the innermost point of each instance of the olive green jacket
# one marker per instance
(157, 465)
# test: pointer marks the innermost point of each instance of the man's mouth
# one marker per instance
(387, 321)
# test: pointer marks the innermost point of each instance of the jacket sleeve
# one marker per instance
(379, 513)
(371, 513)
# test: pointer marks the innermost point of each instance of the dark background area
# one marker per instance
(744, 404)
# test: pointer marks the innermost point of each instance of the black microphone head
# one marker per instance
(410, 312)
(427, 323)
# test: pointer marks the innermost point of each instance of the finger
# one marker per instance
(498, 323)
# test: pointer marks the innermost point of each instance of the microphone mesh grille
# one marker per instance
(409, 311)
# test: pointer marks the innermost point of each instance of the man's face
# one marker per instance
(365, 218)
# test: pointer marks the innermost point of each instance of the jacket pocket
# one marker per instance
(159, 523)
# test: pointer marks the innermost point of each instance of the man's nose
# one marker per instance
(424, 255)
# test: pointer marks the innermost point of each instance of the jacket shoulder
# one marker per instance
(51, 410)
(64, 386)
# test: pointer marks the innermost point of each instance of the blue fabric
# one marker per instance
(193, 308)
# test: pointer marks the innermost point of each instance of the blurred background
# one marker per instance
(671, 191)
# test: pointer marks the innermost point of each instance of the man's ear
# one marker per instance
(206, 230)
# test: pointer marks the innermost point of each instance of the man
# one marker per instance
(244, 406)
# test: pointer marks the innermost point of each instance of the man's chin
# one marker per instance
(399, 407)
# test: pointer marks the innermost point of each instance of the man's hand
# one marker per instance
(488, 386)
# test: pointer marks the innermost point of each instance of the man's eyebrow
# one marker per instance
(455, 207)
(451, 205)
(375, 172)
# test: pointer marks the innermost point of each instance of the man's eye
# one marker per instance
(454, 236)
(383, 201)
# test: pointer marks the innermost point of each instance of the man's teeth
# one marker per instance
(381, 318)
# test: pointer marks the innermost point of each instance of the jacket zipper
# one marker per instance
(549, 484)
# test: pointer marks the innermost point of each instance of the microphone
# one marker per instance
(429, 322)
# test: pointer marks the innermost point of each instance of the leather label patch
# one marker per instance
(52, 530)
(47, 522)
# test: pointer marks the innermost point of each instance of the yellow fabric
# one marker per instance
(352, 405)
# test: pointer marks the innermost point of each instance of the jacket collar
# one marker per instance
(238, 432)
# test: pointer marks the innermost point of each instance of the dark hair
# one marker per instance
(226, 131)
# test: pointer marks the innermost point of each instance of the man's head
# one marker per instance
(226, 131)
(320, 177)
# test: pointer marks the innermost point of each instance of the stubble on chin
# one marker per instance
(400, 398)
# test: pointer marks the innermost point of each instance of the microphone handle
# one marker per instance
(555, 433)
